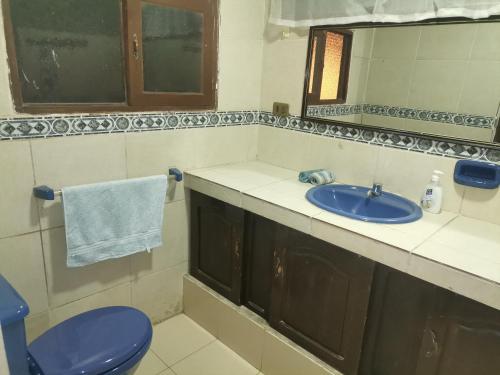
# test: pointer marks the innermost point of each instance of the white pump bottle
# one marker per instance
(432, 199)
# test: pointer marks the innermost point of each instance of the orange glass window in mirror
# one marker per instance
(329, 66)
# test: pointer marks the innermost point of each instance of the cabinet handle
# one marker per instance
(135, 46)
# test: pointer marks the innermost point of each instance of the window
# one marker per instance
(328, 66)
(102, 55)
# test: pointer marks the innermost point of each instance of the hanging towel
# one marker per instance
(317, 177)
(113, 219)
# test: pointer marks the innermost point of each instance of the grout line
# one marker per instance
(196, 351)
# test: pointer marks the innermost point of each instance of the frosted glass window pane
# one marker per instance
(69, 51)
(172, 49)
(332, 63)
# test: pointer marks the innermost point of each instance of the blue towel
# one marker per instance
(317, 177)
(113, 219)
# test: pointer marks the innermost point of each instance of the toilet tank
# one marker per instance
(13, 310)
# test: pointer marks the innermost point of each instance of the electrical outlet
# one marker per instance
(281, 109)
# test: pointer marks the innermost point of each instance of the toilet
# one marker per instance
(109, 340)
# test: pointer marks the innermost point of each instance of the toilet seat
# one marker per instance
(93, 343)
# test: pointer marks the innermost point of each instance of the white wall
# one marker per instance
(32, 240)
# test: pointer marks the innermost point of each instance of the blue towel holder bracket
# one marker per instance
(47, 193)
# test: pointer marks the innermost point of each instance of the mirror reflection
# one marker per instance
(434, 79)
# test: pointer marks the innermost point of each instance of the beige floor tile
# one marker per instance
(166, 372)
(151, 365)
(214, 359)
(177, 338)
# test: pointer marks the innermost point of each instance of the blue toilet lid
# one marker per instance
(93, 342)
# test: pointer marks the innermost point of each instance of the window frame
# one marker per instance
(313, 98)
(174, 101)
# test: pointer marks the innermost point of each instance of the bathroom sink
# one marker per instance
(355, 202)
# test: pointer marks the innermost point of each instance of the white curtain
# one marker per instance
(304, 13)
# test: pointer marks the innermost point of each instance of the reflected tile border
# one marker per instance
(452, 118)
(383, 138)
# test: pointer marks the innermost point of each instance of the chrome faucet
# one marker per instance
(375, 191)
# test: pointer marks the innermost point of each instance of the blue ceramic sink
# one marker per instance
(353, 201)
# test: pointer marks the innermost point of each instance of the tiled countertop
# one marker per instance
(449, 250)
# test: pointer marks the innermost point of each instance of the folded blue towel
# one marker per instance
(304, 176)
(113, 219)
(317, 177)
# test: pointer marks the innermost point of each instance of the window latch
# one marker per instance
(135, 46)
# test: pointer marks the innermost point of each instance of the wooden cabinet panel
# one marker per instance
(216, 245)
(400, 308)
(416, 328)
(320, 297)
(463, 339)
(260, 240)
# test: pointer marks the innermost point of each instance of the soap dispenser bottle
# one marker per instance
(432, 199)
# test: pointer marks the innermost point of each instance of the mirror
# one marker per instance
(438, 79)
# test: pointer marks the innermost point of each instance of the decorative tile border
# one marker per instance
(383, 138)
(333, 110)
(57, 126)
(452, 118)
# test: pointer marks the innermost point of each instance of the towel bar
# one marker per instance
(49, 194)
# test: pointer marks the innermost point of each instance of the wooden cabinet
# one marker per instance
(416, 328)
(216, 245)
(335, 304)
(260, 243)
(320, 297)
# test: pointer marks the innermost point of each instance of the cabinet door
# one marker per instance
(464, 339)
(260, 241)
(216, 242)
(320, 297)
(400, 309)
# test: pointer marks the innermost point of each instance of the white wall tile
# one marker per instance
(449, 42)
(284, 64)
(436, 84)
(481, 92)
(159, 294)
(224, 145)
(116, 296)
(18, 211)
(67, 161)
(486, 46)
(21, 263)
(283, 147)
(362, 42)
(482, 204)
(407, 173)
(175, 243)
(282, 357)
(389, 82)
(70, 284)
(36, 324)
(396, 43)
(240, 73)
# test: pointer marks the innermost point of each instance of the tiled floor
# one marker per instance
(182, 347)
